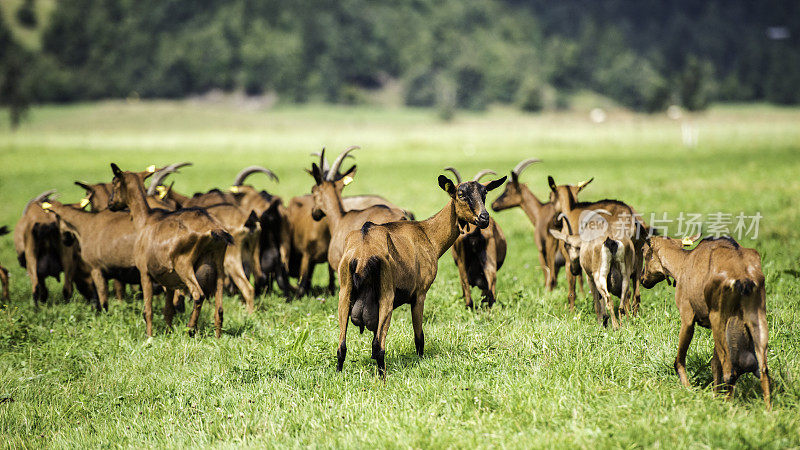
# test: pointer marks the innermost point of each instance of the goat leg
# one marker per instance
(344, 314)
(684, 339)
(305, 275)
(234, 269)
(756, 322)
(331, 280)
(169, 307)
(147, 295)
(386, 304)
(571, 289)
(462, 275)
(416, 320)
(101, 285)
(218, 313)
(4, 280)
(119, 290)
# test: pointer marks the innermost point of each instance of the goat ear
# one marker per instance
(447, 186)
(558, 235)
(552, 183)
(514, 177)
(115, 170)
(495, 184)
(84, 186)
(316, 172)
(583, 184)
(350, 172)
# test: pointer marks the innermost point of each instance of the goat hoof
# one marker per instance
(190, 331)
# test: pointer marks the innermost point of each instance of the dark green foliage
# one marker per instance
(14, 80)
(636, 53)
(26, 14)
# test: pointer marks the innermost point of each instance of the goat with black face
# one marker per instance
(385, 266)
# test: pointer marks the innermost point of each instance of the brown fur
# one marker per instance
(552, 255)
(622, 222)
(327, 196)
(385, 266)
(718, 285)
(107, 242)
(38, 244)
(184, 249)
(610, 265)
(4, 271)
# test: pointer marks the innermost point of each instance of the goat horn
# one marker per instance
(323, 163)
(455, 172)
(43, 196)
(523, 164)
(482, 174)
(247, 171)
(158, 178)
(334, 170)
(564, 217)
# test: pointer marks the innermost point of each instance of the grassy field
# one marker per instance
(527, 373)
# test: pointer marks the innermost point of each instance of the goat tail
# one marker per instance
(4, 230)
(744, 287)
(612, 245)
(222, 235)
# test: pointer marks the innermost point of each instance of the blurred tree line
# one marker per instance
(643, 54)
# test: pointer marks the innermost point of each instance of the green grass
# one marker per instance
(527, 373)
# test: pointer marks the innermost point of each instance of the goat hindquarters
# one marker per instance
(365, 294)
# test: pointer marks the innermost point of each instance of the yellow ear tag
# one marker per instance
(347, 180)
(162, 192)
(84, 202)
(151, 168)
(46, 205)
(687, 241)
(235, 189)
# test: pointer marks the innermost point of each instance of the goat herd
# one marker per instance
(198, 246)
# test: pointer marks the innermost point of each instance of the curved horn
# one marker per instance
(158, 180)
(176, 166)
(159, 176)
(247, 171)
(43, 196)
(455, 172)
(334, 170)
(482, 174)
(563, 217)
(523, 164)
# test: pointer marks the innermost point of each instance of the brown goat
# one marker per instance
(608, 218)
(327, 194)
(37, 242)
(183, 249)
(107, 242)
(310, 239)
(718, 285)
(552, 255)
(3, 270)
(97, 194)
(385, 266)
(479, 253)
(243, 227)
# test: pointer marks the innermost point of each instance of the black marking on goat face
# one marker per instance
(470, 203)
(652, 271)
(365, 228)
(117, 200)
